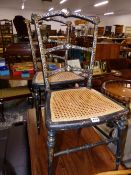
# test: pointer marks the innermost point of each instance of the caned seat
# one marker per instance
(77, 108)
(80, 104)
(58, 78)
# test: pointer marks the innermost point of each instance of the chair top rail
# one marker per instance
(33, 16)
(67, 47)
(56, 20)
(66, 13)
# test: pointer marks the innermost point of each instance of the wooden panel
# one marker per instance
(118, 29)
(107, 51)
(89, 162)
(6, 32)
(100, 31)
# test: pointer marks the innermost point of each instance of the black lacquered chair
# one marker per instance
(78, 108)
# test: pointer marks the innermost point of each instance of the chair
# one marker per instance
(60, 78)
(78, 108)
(21, 29)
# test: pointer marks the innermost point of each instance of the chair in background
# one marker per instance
(59, 78)
(21, 29)
(6, 34)
(78, 108)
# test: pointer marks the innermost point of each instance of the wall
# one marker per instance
(105, 20)
(113, 20)
(10, 14)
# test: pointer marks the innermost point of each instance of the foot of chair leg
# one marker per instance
(50, 144)
(121, 131)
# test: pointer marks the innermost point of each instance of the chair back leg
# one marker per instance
(51, 145)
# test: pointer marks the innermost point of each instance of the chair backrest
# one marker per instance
(43, 51)
(20, 26)
(33, 49)
(28, 24)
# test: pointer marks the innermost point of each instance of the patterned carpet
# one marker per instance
(14, 111)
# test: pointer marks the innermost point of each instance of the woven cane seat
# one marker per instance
(80, 104)
(118, 89)
(58, 77)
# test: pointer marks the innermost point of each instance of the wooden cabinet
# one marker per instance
(118, 29)
(100, 31)
(107, 51)
(6, 33)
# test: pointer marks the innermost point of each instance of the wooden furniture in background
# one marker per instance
(18, 52)
(107, 51)
(6, 34)
(100, 31)
(118, 29)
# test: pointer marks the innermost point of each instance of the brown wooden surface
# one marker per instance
(119, 172)
(89, 162)
(107, 51)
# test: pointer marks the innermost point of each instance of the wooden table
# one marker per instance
(98, 80)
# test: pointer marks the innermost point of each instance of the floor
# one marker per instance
(89, 162)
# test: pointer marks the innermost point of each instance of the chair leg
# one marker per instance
(31, 101)
(51, 145)
(121, 135)
(2, 119)
(38, 109)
